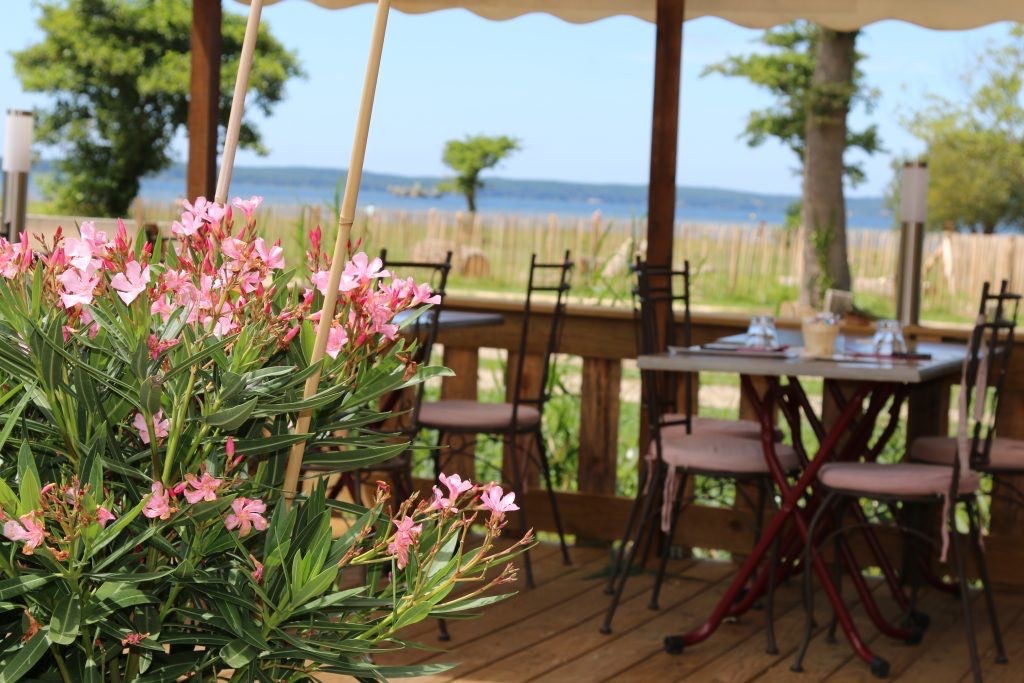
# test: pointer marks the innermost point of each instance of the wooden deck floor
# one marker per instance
(551, 633)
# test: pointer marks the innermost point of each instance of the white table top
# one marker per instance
(946, 361)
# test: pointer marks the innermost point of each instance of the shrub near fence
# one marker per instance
(736, 266)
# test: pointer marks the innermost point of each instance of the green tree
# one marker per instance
(812, 73)
(975, 148)
(469, 157)
(118, 73)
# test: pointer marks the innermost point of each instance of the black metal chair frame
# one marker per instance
(994, 338)
(654, 296)
(521, 452)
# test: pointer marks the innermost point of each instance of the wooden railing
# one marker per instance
(604, 337)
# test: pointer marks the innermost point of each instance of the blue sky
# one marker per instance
(578, 96)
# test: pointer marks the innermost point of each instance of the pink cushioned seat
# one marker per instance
(722, 453)
(467, 415)
(908, 480)
(748, 429)
(1006, 454)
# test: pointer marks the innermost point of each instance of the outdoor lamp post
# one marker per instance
(913, 214)
(16, 166)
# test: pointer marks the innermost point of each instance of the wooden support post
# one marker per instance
(204, 99)
(661, 194)
(533, 367)
(466, 364)
(599, 425)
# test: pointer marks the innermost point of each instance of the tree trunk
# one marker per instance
(824, 207)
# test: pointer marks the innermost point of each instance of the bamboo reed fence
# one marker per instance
(736, 266)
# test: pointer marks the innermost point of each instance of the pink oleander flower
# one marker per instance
(257, 573)
(131, 282)
(247, 514)
(133, 639)
(28, 529)
(248, 206)
(205, 211)
(199, 489)
(360, 270)
(320, 279)
(405, 536)
(159, 504)
(336, 339)
(233, 248)
(161, 425)
(272, 256)
(104, 516)
(495, 500)
(187, 226)
(456, 485)
(423, 294)
(78, 286)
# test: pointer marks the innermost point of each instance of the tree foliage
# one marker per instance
(812, 73)
(471, 156)
(118, 73)
(975, 148)
(786, 70)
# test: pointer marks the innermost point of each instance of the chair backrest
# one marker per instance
(658, 293)
(985, 368)
(425, 327)
(548, 278)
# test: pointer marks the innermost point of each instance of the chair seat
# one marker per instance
(748, 429)
(476, 416)
(908, 480)
(1006, 454)
(717, 453)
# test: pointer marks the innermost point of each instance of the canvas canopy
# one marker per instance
(843, 15)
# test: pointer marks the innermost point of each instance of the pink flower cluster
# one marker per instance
(67, 507)
(367, 303)
(246, 513)
(492, 497)
(222, 280)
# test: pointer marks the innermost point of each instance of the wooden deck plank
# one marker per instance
(583, 637)
(945, 657)
(638, 638)
(551, 634)
(1013, 636)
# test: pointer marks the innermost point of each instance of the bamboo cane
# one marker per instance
(227, 164)
(345, 218)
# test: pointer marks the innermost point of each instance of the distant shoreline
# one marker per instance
(303, 186)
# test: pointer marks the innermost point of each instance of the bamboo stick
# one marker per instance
(227, 163)
(345, 219)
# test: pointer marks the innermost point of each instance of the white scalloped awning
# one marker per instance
(837, 14)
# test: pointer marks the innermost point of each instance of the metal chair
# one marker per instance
(683, 445)
(522, 416)
(920, 482)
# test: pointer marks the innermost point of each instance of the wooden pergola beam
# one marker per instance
(661, 192)
(204, 102)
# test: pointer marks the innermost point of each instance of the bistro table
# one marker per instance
(860, 385)
(451, 320)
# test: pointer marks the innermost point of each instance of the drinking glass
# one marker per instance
(888, 339)
(761, 333)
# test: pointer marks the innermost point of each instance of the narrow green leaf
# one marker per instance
(22, 584)
(21, 661)
(65, 620)
(232, 418)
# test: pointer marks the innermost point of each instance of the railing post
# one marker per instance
(533, 368)
(599, 425)
(465, 363)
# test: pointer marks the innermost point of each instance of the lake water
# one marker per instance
(168, 187)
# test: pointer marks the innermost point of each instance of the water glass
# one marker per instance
(761, 333)
(888, 339)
